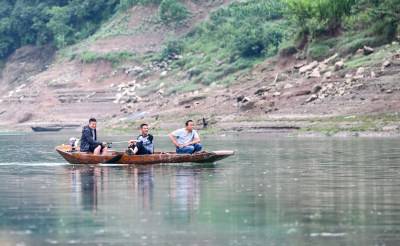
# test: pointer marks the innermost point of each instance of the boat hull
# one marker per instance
(45, 129)
(78, 157)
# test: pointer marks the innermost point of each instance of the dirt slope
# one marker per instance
(276, 96)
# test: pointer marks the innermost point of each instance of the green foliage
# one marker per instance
(318, 17)
(114, 58)
(173, 11)
(234, 39)
(242, 28)
(126, 4)
(171, 46)
(351, 42)
(40, 22)
(58, 25)
(320, 49)
(258, 39)
(264, 10)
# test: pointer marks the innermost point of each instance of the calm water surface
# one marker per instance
(274, 191)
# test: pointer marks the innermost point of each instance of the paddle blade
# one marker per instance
(115, 159)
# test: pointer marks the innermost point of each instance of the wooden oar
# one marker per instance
(115, 159)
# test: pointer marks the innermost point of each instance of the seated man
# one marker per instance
(144, 143)
(89, 141)
(186, 140)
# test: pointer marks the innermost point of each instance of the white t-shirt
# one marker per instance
(182, 136)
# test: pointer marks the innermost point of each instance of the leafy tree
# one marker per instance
(58, 24)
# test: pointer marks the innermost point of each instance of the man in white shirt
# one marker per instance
(186, 140)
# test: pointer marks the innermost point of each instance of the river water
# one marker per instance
(273, 191)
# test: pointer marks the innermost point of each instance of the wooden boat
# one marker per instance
(45, 129)
(77, 157)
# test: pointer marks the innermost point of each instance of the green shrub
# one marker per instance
(351, 45)
(318, 51)
(173, 11)
(318, 17)
(114, 58)
(257, 40)
(212, 77)
(171, 46)
(89, 56)
(126, 4)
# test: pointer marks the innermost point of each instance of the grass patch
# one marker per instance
(114, 58)
(321, 49)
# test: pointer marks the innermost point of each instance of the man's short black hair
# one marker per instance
(187, 122)
(92, 120)
(142, 125)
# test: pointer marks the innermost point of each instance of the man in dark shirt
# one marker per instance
(89, 141)
(144, 143)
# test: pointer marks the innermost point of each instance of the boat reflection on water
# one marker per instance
(85, 183)
(141, 188)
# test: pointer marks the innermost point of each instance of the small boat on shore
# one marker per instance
(117, 157)
(46, 129)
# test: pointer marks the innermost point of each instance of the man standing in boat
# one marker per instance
(89, 141)
(186, 140)
(144, 143)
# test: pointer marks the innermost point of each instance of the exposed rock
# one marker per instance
(163, 73)
(358, 86)
(316, 89)
(357, 77)
(137, 70)
(386, 63)
(247, 105)
(192, 99)
(314, 74)
(360, 71)
(160, 92)
(373, 75)
(299, 65)
(341, 91)
(348, 75)
(309, 67)
(272, 104)
(288, 86)
(261, 91)
(281, 77)
(313, 97)
(276, 94)
(368, 50)
(360, 52)
(303, 93)
(339, 65)
(218, 63)
(390, 128)
(328, 75)
(240, 98)
(245, 100)
(329, 59)
(261, 102)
